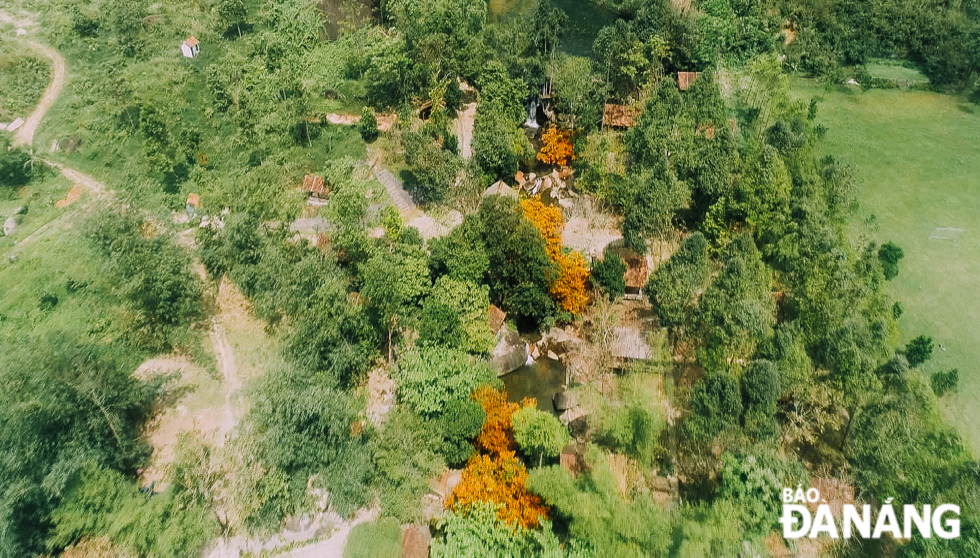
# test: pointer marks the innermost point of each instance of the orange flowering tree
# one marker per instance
(501, 480)
(556, 148)
(569, 290)
(497, 435)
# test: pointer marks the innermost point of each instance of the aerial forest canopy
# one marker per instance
(196, 348)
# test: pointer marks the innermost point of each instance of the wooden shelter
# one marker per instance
(315, 185)
(636, 274)
(686, 79)
(620, 116)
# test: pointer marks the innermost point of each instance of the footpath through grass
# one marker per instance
(917, 159)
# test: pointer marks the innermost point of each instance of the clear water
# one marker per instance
(541, 380)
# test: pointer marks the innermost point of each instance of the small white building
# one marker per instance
(190, 47)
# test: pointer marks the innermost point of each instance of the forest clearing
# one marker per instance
(916, 158)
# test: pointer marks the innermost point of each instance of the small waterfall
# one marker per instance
(532, 114)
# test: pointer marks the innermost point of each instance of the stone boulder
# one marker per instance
(564, 400)
(10, 225)
(510, 353)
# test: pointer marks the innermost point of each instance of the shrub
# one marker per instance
(609, 274)
(945, 382)
(368, 126)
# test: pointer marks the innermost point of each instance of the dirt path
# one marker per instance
(231, 382)
(464, 129)
(25, 134)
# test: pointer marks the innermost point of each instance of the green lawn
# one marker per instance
(893, 69)
(917, 159)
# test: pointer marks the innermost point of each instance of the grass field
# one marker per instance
(894, 69)
(917, 159)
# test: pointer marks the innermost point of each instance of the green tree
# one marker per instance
(103, 503)
(232, 12)
(153, 275)
(657, 196)
(890, 254)
(918, 350)
(333, 336)
(15, 166)
(600, 519)
(760, 389)
(459, 423)
(125, 19)
(434, 170)
(539, 432)
(404, 461)
(395, 281)
(430, 378)
(455, 315)
(461, 255)
(495, 141)
(304, 428)
(716, 405)
(674, 286)
(520, 272)
(66, 404)
(737, 310)
(753, 482)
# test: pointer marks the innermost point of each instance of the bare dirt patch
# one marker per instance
(71, 197)
(186, 405)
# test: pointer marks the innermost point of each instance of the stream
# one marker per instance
(541, 380)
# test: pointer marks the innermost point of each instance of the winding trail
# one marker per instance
(464, 129)
(25, 134)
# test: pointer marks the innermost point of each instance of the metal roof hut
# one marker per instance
(620, 116)
(686, 79)
(316, 186)
(629, 344)
(190, 47)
